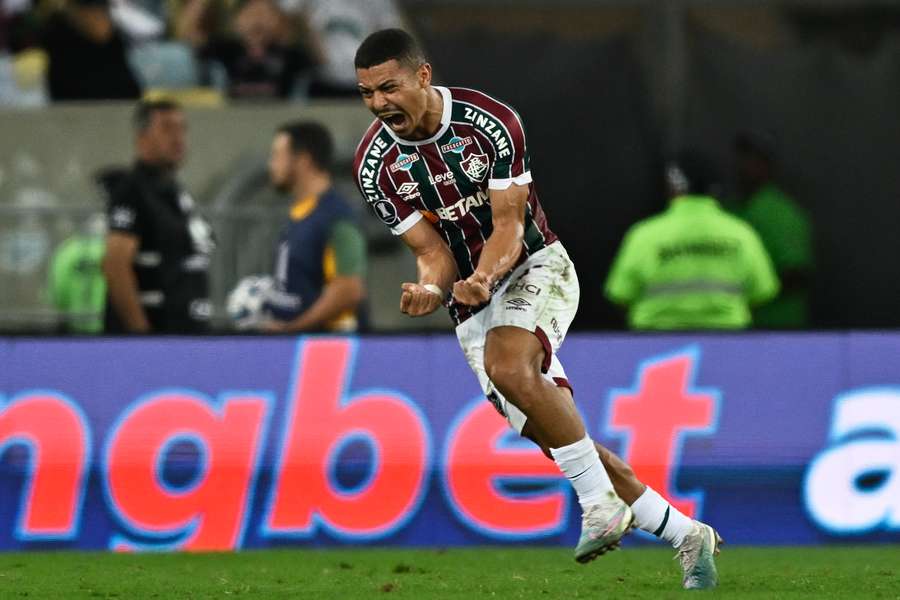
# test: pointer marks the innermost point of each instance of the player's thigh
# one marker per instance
(512, 352)
(472, 337)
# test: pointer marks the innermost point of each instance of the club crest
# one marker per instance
(475, 166)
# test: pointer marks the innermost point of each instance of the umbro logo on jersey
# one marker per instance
(475, 166)
(404, 162)
(407, 188)
(456, 144)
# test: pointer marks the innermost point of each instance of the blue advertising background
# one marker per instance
(775, 393)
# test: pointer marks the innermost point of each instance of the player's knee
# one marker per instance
(511, 376)
(504, 374)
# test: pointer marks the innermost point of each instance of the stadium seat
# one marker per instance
(169, 65)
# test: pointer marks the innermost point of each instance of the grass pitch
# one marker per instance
(833, 572)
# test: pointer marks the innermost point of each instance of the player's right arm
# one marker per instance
(437, 270)
(122, 244)
(435, 264)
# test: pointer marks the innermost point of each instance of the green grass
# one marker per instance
(834, 572)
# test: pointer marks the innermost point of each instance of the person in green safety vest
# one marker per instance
(784, 228)
(693, 266)
(75, 285)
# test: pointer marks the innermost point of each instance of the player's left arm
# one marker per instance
(345, 288)
(501, 250)
(509, 190)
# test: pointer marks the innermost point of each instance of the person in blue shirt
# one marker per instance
(320, 261)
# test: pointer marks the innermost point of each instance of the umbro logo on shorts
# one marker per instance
(517, 304)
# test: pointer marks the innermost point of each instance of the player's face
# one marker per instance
(165, 138)
(281, 163)
(396, 94)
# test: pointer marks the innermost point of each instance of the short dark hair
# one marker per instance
(313, 138)
(691, 172)
(143, 112)
(389, 44)
(762, 144)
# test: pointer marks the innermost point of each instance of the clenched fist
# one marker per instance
(417, 301)
(472, 291)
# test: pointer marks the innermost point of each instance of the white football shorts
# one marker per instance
(541, 295)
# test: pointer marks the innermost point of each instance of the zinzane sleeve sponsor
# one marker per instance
(511, 163)
(383, 197)
(501, 127)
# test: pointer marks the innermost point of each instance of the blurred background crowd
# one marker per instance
(64, 50)
(774, 121)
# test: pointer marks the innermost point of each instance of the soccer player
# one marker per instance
(447, 169)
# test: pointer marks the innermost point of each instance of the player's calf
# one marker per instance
(606, 518)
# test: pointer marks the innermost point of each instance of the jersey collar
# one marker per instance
(302, 208)
(445, 122)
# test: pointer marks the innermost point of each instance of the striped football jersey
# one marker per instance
(446, 178)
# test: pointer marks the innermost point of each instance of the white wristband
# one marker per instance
(434, 289)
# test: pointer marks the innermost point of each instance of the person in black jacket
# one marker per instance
(87, 55)
(158, 248)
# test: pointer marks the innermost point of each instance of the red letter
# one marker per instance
(210, 514)
(661, 409)
(318, 422)
(475, 462)
(59, 442)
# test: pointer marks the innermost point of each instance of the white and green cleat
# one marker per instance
(697, 555)
(602, 528)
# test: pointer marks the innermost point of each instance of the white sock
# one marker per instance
(580, 463)
(654, 515)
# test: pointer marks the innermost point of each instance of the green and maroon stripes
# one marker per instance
(442, 177)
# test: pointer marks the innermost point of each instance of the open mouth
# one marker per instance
(394, 120)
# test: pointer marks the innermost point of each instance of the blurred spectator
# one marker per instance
(321, 259)
(259, 60)
(158, 248)
(141, 20)
(338, 27)
(694, 266)
(783, 226)
(18, 25)
(87, 54)
(22, 64)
